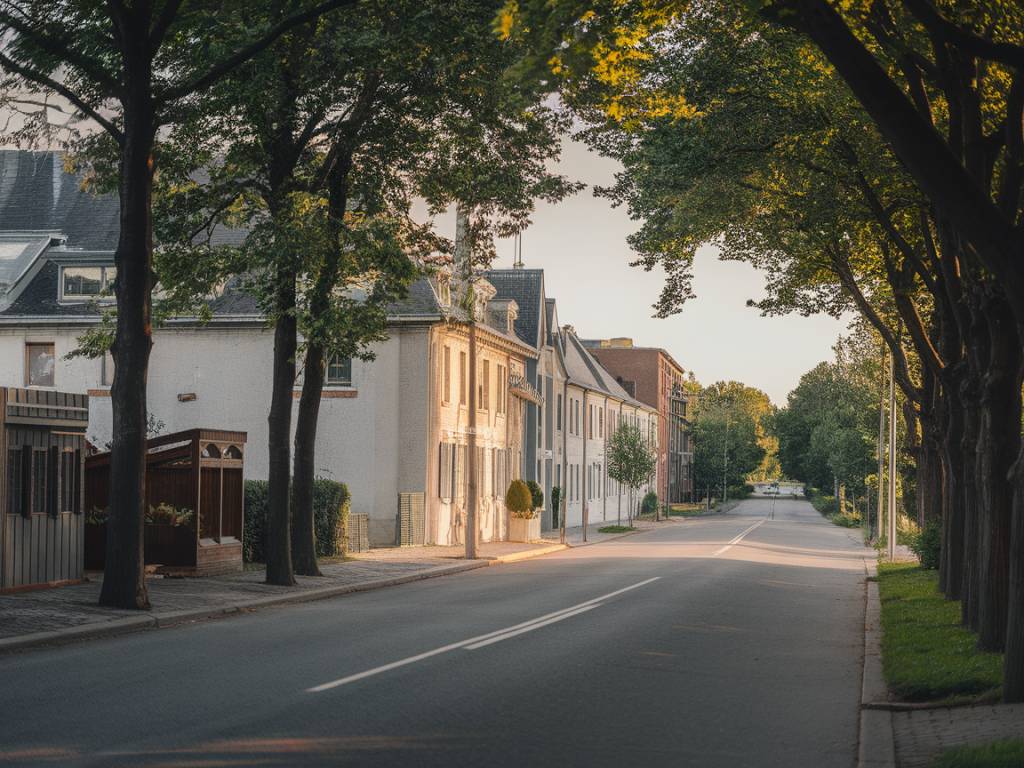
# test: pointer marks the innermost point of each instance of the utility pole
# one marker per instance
(876, 528)
(892, 457)
(463, 256)
(725, 463)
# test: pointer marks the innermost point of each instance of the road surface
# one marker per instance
(732, 640)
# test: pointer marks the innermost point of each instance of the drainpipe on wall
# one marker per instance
(585, 473)
(563, 501)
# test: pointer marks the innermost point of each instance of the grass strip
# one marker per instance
(1000, 754)
(926, 654)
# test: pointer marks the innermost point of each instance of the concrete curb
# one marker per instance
(172, 618)
(877, 745)
(514, 557)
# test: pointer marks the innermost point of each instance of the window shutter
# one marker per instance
(26, 481)
(76, 503)
(52, 478)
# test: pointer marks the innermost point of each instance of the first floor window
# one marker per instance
(39, 481)
(39, 365)
(339, 371)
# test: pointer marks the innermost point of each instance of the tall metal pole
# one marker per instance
(725, 462)
(464, 258)
(876, 529)
(892, 458)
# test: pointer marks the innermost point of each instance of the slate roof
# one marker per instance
(36, 194)
(526, 286)
(586, 372)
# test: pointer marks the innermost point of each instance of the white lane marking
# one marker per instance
(547, 618)
(538, 625)
(739, 538)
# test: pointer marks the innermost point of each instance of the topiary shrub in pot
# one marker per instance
(524, 523)
(536, 494)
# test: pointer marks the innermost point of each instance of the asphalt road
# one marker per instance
(733, 640)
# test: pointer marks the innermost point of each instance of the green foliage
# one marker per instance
(649, 505)
(536, 494)
(739, 492)
(926, 654)
(927, 545)
(631, 461)
(519, 500)
(616, 529)
(166, 514)
(330, 515)
(556, 499)
(729, 436)
(999, 754)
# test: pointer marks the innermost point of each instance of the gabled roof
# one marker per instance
(526, 286)
(586, 372)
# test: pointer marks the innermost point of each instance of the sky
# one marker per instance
(581, 245)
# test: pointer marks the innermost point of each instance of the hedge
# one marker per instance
(331, 503)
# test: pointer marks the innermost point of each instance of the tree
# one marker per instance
(727, 435)
(631, 460)
(131, 69)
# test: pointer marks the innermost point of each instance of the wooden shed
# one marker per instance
(42, 454)
(191, 476)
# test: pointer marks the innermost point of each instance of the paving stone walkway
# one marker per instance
(922, 735)
(44, 610)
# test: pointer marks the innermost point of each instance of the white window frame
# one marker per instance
(106, 294)
(327, 372)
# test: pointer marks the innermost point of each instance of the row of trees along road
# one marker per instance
(310, 127)
(867, 156)
(731, 426)
(828, 430)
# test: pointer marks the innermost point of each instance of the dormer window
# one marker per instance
(444, 291)
(84, 283)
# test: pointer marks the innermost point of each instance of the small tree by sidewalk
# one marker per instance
(630, 459)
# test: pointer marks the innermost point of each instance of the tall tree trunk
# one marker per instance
(1013, 658)
(303, 528)
(951, 573)
(971, 584)
(279, 422)
(124, 583)
(998, 446)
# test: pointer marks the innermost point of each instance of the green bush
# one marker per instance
(739, 492)
(331, 502)
(650, 503)
(519, 500)
(556, 499)
(536, 494)
(927, 545)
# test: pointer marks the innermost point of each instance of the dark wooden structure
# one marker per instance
(198, 470)
(42, 454)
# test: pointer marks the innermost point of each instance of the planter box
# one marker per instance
(95, 546)
(524, 530)
(170, 544)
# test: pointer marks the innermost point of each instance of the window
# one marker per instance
(107, 369)
(600, 422)
(39, 365)
(463, 381)
(339, 371)
(502, 389)
(590, 422)
(87, 282)
(484, 386)
(447, 390)
(558, 414)
(69, 481)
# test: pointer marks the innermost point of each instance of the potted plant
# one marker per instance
(524, 522)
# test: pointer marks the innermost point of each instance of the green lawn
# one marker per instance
(926, 654)
(688, 510)
(1001, 754)
(616, 529)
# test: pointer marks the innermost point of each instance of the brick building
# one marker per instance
(652, 376)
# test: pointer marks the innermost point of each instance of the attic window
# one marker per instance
(444, 291)
(87, 282)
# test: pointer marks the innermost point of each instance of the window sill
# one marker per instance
(330, 394)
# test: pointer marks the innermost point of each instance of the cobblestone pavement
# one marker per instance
(51, 609)
(923, 734)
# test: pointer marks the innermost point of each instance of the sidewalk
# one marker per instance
(924, 734)
(70, 613)
(574, 536)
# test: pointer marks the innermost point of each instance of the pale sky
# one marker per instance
(581, 245)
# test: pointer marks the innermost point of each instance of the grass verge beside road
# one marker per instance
(1001, 754)
(616, 529)
(926, 654)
